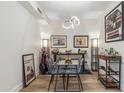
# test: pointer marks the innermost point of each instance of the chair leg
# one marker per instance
(56, 82)
(79, 78)
(80, 82)
(51, 80)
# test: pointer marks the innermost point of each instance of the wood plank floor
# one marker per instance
(89, 81)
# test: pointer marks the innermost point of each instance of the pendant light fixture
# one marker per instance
(71, 22)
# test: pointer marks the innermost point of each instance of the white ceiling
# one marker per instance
(82, 9)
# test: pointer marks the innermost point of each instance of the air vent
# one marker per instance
(39, 10)
(34, 8)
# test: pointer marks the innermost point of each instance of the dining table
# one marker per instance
(71, 54)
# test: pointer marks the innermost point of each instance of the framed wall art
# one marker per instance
(81, 41)
(114, 25)
(58, 41)
(28, 68)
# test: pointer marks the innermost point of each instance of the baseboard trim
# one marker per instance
(122, 88)
(17, 88)
(20, 86)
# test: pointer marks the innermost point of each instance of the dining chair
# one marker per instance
(53, 70)
(81, 60)
(70, 69)
(79, 66)
(75, 70)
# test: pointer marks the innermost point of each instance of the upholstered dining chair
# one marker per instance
(81, 60)
(79, 67)
(52, 70)
(76, 70)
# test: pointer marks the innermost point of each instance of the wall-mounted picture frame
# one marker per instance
(114, 24)
(81, 41)
(28, 69)
(58, 41)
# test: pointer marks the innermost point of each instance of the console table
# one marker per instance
(110, 73)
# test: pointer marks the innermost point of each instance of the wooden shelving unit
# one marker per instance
(110, 73)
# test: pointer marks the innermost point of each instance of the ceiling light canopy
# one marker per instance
(71, 22)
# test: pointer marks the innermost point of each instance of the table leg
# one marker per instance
(63, 76)
(67, 82)
(84, 65)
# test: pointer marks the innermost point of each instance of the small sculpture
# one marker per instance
(68, 60)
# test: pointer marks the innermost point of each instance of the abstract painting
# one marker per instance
(113, 25)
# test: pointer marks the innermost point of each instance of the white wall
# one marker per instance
(19, 34)
(87, 26)
(118, 46)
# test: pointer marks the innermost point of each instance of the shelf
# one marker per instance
(110, 71)
(110, 83)
(115, 77)
(107, 57)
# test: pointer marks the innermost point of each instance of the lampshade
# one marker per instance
(95, 42)
(45, 42)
